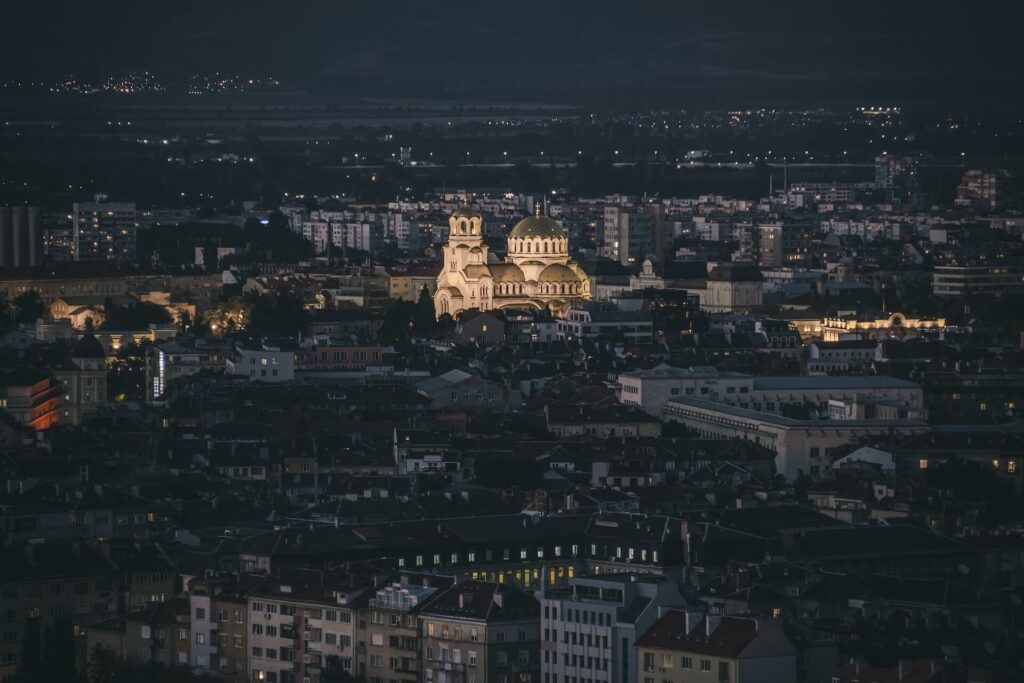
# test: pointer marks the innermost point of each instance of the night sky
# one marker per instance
(653, 51)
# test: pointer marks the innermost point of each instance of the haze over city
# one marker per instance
(528, 342)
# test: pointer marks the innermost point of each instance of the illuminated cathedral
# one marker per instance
(536, 273)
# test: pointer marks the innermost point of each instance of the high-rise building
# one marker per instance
(105, 230)
(783, 245)
(891, 170)
(632, 233)
(21, 236)
(981, 190)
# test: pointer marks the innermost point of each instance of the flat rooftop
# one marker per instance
(825, 382)
(782, 421)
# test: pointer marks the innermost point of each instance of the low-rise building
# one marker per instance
(686, 647)
(634, 327)
(170, 360)
(264, 363)
(31, 397)
(802, 446)
(84, 378)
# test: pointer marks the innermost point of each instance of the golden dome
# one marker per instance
(537, 226)
(466, 211)
(556, 272)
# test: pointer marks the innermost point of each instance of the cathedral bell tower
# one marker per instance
(465, 239)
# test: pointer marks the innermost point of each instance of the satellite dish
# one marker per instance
(964, 569)
(767, 557)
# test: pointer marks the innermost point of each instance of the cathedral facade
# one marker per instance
(536, 273)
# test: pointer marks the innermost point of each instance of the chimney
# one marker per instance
(904, 667)
(692, 620)
(499, 598)
(711, 622)
(465, 600)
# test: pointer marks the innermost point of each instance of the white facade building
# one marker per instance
(265, 364)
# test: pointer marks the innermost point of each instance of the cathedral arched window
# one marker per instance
(545, 247)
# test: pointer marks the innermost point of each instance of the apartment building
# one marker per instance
(159, 633)
(73, 579)
(589, 628)
(387, 636)
(219, 612)
(688, 647)
(480, 631)
(104, 230)
(297, 622)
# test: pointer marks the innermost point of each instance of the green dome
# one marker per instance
(537, 226)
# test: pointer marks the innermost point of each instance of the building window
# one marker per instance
(705, 665)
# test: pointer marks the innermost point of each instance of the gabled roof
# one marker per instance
(674, 631)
